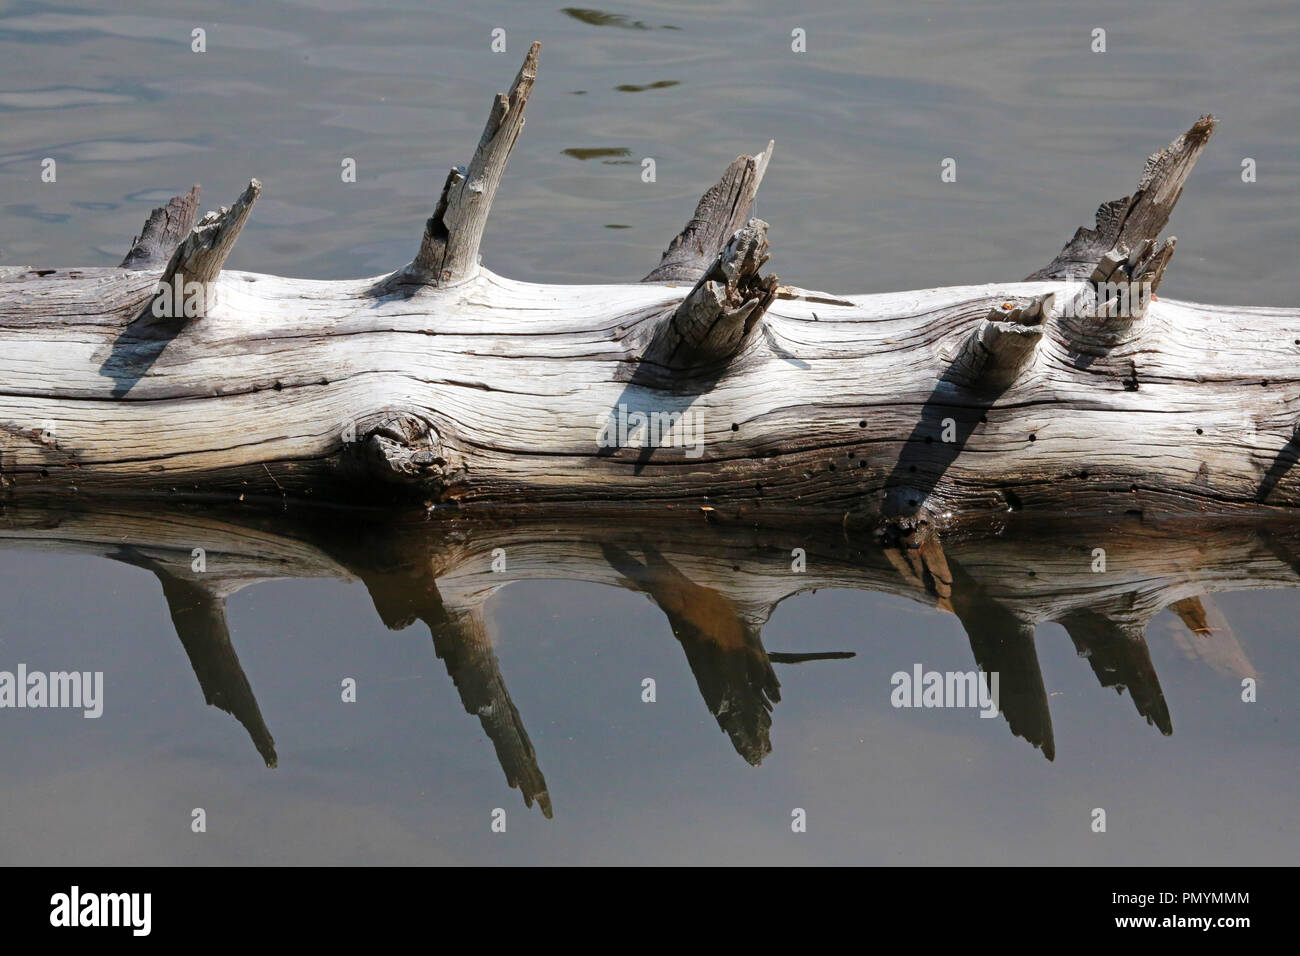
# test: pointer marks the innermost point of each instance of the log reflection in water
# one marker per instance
(717, 578)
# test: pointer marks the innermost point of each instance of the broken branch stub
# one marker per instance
(1002, 346)
(1116, 649)
(187, 284)
(1109, 307)
(714, 320)
(165, 229)
(1129, 221)
(449, 250)
(1125, 279)
(722, 210)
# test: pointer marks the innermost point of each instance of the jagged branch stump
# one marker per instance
(707, 383)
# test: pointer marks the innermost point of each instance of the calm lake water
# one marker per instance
(1042, 130)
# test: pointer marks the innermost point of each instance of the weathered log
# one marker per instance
(446, 383)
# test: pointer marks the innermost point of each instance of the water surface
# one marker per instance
(1042, 130)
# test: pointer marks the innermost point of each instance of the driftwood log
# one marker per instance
(717, 582)
(708, 384)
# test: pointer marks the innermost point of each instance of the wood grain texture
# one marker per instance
(511, 386)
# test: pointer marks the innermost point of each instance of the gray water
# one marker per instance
(1042, 129)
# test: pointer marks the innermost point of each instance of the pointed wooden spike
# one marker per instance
(200, 618)
(198, 611)
(1003, 644)
(1117, 652)
(449, 250)
(407, 591)
(1127, 222)
(724, 648)
(165, 229)
(1210, 638)
(461, 640)
(1192, 613)
(722, 210)
(198, 260)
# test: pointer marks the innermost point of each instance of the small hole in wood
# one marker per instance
(1199, 432)
(1033, 437)
(735, 427)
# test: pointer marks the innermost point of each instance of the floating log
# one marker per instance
(707, 384)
